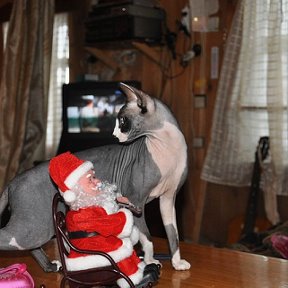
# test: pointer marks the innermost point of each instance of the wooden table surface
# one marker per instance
(210, 267)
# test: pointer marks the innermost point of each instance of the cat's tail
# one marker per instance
(4, 236)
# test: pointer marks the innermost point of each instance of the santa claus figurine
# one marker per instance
(95, 221)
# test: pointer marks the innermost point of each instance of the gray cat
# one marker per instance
(151, 163)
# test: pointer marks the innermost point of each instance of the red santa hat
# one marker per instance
(65, 170)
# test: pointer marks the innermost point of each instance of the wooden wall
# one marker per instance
(176, 91)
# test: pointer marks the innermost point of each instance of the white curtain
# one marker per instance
(252, 101)
(58, 76)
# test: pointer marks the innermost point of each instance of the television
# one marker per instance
(89, 111)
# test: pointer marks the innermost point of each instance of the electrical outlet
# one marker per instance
(200, 101)
(198, 142)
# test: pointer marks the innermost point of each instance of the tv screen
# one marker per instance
(89, 113)
(92, 107)
(93, 112)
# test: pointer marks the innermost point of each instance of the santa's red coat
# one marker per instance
(114, 231)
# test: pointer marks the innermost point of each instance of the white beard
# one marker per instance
(105, 199)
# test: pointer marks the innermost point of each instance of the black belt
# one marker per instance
(81, 234)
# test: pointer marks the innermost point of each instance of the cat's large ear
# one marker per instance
(129, 92)
(133, 94)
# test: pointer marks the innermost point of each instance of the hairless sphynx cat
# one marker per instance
(150, 161)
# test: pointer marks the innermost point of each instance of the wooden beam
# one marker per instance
(151, 53)
(102, 56)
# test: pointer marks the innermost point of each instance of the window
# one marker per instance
(252, 101)
(252, 94)
(58, 76)
(263, 85)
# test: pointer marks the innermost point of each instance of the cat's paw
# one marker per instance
(181, 264)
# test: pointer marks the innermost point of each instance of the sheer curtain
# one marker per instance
(252, 101)
(58, 76)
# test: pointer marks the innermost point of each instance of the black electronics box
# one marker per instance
(114, 22)
(147, 3)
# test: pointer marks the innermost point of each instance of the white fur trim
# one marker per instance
(75, 175)
(135, 278)
(93, 261)
(110, 207)
(135, 234)
(127, 229)
(69, 196)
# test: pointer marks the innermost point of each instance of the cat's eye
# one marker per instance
(121, 121)
(124, 124)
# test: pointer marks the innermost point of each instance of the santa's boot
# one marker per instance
(150, 276)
